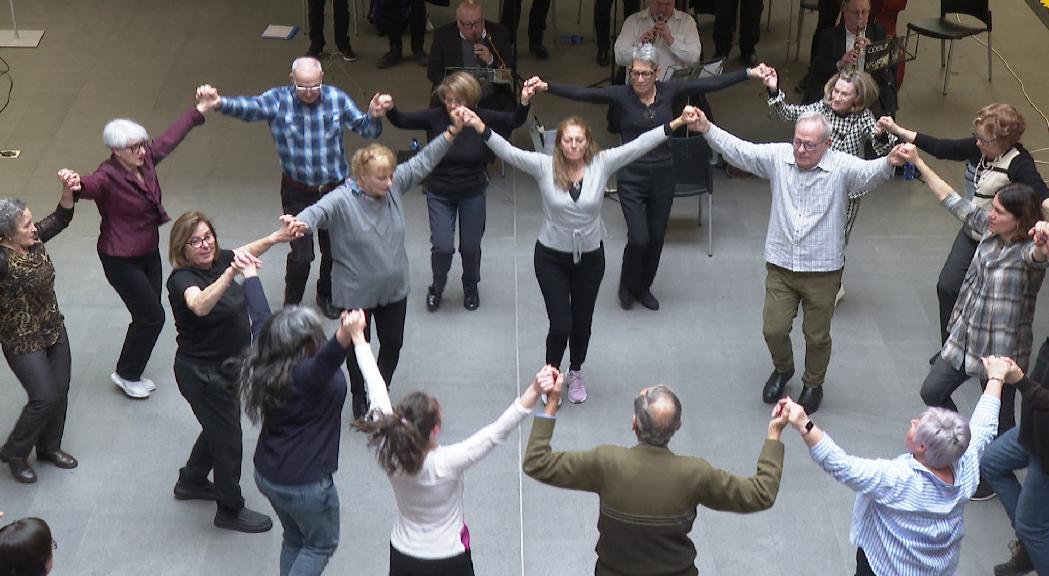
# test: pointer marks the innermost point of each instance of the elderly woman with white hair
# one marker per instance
(33, 335)
(909, 512)
(127, 194)
(646, 186)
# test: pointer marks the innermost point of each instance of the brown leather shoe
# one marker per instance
(58, 458)
(21, 470)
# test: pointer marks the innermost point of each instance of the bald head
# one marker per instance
(657, 415)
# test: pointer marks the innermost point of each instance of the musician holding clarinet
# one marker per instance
(473, 42)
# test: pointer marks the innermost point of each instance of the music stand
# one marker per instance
(887, 53)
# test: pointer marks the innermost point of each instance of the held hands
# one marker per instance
(904, 153)
(70, 180)
(770, 80)
(290, 229)
(469, 118)
(1040, 235)
(208, 98)
(527, 93)
(696, 120)
(245, 263)
(537, 84)
(779, 418)
(545, 380)
(999, 367)
(352, 323)
(377, 106)
(386, 102)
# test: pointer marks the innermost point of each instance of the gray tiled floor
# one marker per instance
(115, 515)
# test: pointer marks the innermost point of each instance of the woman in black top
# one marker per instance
(212, 325)
(646, 187)
(456, 186)
(33, 335)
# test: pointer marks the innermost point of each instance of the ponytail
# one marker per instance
(402, 439)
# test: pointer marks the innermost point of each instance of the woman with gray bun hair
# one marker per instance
(128, 197)
(646, 187)
(33, 335)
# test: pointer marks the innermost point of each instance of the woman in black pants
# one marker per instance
(456, 187)
(646, 187)
(993, 158)
(128, 197)
(33, 335)
(212, 324)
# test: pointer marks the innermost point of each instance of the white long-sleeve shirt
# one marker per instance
(683, 53)
(430, 522)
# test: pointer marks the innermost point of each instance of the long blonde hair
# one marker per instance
(561, 178)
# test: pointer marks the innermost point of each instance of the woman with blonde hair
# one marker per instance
(570, 253)
(370, 265)
(456, 187)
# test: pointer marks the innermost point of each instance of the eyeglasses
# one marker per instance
(136, 145)
(308, 89)
(454, 102)
(474, 24)
(197, 242)
(984, 141)
(646, 74)
(808, 146)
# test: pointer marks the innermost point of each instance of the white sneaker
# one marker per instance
(132, 389)
(148, 384)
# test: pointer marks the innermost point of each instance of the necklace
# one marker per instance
(983, 167)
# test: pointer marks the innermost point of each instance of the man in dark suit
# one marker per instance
(840, 47)
(473, 42)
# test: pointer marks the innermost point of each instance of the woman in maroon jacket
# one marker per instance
(127, 193)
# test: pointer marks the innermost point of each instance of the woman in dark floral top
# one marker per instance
(33, 335)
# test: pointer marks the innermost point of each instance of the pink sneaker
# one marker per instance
(576, 388)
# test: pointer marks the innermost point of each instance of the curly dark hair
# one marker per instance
(402, 439)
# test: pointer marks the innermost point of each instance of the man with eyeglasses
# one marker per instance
(805, 242)
(306, 120)
(473, 42)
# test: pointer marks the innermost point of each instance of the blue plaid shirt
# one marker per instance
(308, 136)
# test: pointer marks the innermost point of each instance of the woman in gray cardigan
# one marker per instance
(569, 254)
(369, 264)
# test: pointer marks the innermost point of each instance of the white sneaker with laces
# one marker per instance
(576, 387)
(132, 389)
(148, 384)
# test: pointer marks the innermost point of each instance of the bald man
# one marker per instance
(649, 495)
(473, 42)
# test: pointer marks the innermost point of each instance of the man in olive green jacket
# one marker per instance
(649, 495)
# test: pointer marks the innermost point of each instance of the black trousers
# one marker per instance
(209, 391)
(511, 14)
(949, 284)
(725, 12)
(443, 211)
(863, 568)
(297, 270)
(944, 379)
(44, 375)
(392, 23)
(341, 11)
(138, 281)
(389, 327)
(603, 19)
(646, 195)
(404, 565)
(570, 293)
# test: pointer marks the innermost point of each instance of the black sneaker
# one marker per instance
(433, 299)
(1019, 564)
(389, 59)
(647, 300)
(626, 298)
(243, 520)
(347, 54)
(315, 52)
(472, 301)
(983, 492)
(187, 491)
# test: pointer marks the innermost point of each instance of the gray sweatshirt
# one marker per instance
(370, 265)
(575, 226)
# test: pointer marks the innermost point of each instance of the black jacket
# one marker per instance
(446, 51)
(828, 47)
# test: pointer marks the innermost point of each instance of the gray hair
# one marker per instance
(309, 61)
(120, 132)
(11, 209)
(945, 435)
(657, 412)
(817, 118)
(645, 53)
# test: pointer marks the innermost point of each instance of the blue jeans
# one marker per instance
(310, 516)
(1025, 505)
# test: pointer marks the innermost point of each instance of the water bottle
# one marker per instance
(577, 39)
(415, 146)
(910, 172)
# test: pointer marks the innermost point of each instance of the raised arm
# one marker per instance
(616, 158)
(598, 95)
(251, 108)
(530, 162)
(418, 167)
(320, 367)
(254, 294)
(417, 120)
(163, 145)
(754, 158)
(367, 125)
(59, 220)
(287, 232)
(712, 83)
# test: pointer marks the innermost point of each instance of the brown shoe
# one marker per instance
(58, 458)
(20, 470)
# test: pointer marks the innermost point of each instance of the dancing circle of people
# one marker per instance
(280, 368)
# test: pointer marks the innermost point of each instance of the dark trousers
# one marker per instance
(863, 568)
(471, 213)
(603, 19)
(297, 270)
(646, 195)
(536, 19)
(44, 375)
(944, 379)
(570, 293)
(138, 281)
(389, 327)
(404, 565)
(341, 11)
(949, 284)
(209, 392)
(392, 23)
(725, 12)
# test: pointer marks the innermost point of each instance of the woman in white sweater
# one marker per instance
(570, 254)
(429, 536)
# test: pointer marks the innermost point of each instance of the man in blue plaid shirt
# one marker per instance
(306, 119)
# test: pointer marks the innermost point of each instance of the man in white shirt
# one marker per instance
(672, 32)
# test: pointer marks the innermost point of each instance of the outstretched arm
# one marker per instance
(530, 162)
(418, 167)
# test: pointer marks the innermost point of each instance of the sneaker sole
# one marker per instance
(984, 498)
(128, 392)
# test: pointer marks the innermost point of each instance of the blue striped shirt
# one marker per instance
(308, 136)
(908, 521)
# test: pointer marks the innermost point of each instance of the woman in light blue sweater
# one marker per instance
(570, 254)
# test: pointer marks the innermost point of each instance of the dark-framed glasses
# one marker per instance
(198, 241)
(134, 146)
(476, 24)
(645, 74)
(808, 146)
